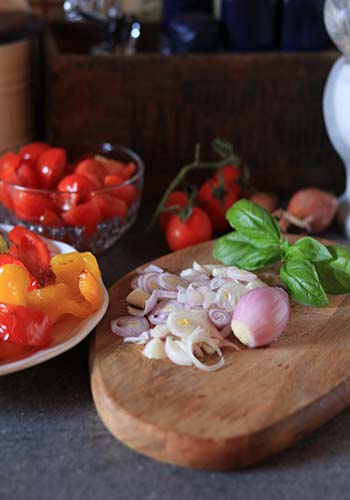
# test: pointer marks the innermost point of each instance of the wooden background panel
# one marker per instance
(269, 106)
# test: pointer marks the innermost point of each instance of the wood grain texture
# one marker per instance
(259, 403)
(268, 105)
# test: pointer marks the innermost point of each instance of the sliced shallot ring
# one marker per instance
(134, 283)
(182, 323)
(152, 268)
(149, 305)
(162, 310)
(165, 294)
(203, 269)
(154, 349)
(159, 332)
(219, 282)
(148, 281)
(168, 281)
(228, 295)
(219, 317)
(196, 338)
(240, 274)
(143, 338)
(176, 351)
(129, 326)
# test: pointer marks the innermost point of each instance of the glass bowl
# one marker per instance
(101, 228)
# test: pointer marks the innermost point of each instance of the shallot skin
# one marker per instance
(319, 205)
(261, 316)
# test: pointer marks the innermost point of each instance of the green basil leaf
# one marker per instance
(310, 249)
(302, 282)
(333, 280)
(340, 257)
(335, 274)
(235, 249)
(254, 222)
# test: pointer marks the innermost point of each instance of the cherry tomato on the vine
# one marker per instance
(196, 229)
(215, 200)
(175, 199)
(230, 174)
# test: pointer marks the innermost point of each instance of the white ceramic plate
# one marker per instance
(66, 334)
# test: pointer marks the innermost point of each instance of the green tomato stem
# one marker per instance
(196, 165)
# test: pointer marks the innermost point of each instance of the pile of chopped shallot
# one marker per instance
(187, 316)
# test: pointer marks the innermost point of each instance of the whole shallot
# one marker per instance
(311, 209)
(261, 316)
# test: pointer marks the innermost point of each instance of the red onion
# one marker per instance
(261, 316)
(219, 317)
(148, 282)
(129, 326)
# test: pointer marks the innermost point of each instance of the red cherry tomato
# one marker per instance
(128, 193)
(27, 176)
(6, 258)
(216, 200)
(31, 152)
(113, 180)
(93, 170)
(111, 206)
(30, 249)
(175, 199)
(9, 160)
(29, 205)
(80, 188)
(115, 167)
(230, 174)
(50, 167)
(196, 229)
(6, 191)
(87, 215)
(50, 218)
(22, 325)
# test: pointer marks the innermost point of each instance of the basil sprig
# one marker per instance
(309, 269)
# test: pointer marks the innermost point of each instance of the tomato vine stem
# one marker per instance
(222, 148)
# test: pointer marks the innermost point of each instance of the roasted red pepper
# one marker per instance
(30, 249)
(22, 325)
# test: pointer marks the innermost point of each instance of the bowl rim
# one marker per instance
(135, 157)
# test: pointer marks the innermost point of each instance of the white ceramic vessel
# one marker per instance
(336, 99)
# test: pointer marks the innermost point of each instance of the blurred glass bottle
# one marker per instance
(251, 25)
(172, 8)
(302, 25)
(145, 10)
(194, 32)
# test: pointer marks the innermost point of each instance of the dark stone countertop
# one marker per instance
(54, 446)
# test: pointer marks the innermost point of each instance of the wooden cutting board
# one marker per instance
(259, 403)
